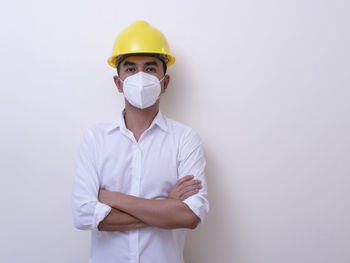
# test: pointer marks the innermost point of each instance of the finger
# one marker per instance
(184, 179)
(192, 182)
(188, 194)
(191, 187)
(189, 183)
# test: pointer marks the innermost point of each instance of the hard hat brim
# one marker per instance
(112, 60)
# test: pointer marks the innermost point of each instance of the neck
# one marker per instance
(138, 120)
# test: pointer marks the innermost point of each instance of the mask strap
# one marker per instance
(162, 78)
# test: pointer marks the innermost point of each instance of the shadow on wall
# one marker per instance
(216, 240)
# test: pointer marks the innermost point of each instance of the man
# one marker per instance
(139, 182)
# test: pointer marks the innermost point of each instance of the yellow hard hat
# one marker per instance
(140, 37)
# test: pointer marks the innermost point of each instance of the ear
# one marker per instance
(118, 83)
(165, 84)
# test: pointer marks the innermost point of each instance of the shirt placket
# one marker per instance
(135, 191)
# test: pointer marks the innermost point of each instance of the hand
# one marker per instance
(185, 188)
(105, 196)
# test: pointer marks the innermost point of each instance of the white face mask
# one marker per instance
(141, 90)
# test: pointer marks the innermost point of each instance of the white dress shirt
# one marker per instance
(112, 159)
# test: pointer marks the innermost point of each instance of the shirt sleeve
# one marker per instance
(88, 212)
(192, 162)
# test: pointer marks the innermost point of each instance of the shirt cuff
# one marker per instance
(199, 205)
(101, 211)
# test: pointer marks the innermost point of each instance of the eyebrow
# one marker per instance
(129, 63)
(153, 63)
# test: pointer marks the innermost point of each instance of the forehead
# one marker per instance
(141, 60)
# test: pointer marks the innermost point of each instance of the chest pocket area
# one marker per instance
(159, 175)
(116, 173)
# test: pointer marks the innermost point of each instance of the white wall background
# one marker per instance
(265, 83)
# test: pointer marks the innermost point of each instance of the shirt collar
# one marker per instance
(117, 123)
(159, 120)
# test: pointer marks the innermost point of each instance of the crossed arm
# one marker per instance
(130, 212)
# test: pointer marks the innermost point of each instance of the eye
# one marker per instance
(151, 69)
(130, 69)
